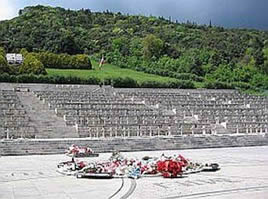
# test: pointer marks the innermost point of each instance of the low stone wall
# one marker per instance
(57, 146)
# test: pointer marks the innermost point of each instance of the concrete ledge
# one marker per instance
(58, 146)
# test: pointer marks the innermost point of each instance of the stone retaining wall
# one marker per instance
(57, 146)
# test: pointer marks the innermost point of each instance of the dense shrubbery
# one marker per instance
(60, 61)
(35, 63)
(218, 85)
(187, 76)
(64, 61)
(260, 81)
(3, 65)
(31, 65)
(2, 52)
(242, 86)
(5, 77)
(3, 62)
(124, 82)
(214, 84)
(31, 78)
(170, 84)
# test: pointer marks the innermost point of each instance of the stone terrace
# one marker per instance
(14, 120)
(89, 111)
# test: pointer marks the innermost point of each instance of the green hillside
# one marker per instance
(212, 56)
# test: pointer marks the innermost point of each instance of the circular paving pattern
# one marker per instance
(243, 174)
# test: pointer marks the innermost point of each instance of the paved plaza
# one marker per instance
(243, 174)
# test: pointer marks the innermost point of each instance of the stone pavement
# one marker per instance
(243, 174)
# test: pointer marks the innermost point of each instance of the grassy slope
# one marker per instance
(108, 70)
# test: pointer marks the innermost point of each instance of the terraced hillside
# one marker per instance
(91, 112)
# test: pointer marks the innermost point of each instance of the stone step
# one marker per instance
(45, 121)
(25, 147)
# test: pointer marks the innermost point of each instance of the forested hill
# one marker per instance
(151, 44)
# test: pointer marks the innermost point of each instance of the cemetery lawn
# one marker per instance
(108, 70)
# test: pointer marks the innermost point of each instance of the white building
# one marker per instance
(13, 58)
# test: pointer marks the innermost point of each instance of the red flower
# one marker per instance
(169, 168)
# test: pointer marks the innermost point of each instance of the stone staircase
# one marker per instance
(45, 121)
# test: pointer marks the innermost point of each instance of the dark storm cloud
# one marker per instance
(228, 13)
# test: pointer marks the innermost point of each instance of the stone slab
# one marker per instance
(243, 174)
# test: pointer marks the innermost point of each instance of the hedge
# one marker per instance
(218, 85)
(116, 82)
(64, 61)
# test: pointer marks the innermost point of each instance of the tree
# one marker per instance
(152, 46)
(121, 44)
(67, 43)
(32, 65)
(3, 65)
(244, 73)
(223, 73)
(210, 24)
(259, 57)
(2, 52)
(81, 62)
(24, 52)
(265, 65)
(136, 46)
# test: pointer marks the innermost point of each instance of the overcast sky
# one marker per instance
(227, 13)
